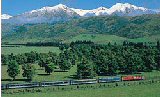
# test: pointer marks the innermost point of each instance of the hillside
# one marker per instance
(125, 27)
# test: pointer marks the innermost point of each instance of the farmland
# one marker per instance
(105, 39)
(98, 38)
(105, 60)
(42, 76)
(150, 90)
(24, 49)
(80, 56)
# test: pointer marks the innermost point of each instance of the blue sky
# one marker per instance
(14, 7)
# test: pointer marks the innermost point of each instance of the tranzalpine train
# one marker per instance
(72, 82)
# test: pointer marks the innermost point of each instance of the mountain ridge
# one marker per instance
(61, 12)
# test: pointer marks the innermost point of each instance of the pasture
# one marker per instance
(98, 38)
(24, 49)
(149, 90)
(105, 39)
(58, 75)
(153, 38)
(39, 76)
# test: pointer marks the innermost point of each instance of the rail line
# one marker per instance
(71, 82)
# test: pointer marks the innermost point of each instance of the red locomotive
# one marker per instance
(132, 78)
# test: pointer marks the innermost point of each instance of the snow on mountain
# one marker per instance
(81, 12)
(45, 15)
(127, 9)
(61, 12)
(101, 11)
(57, 8)
(5, 16)
(94, 12)
(119, 9)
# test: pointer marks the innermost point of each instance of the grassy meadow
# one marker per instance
(57, 75)
(98, 38)
(40, 75)
(105, 39)
(24, 49)
(153, 38)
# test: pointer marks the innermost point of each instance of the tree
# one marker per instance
(28, 71)
(64, 64)
(101, 64)
(109, 44)
(31, 57)
(21, 59)
(53, 56)
(11, 57)
(132, 64)
(85, 69)
(64, 61)
(149, 60)
(42, 63)
(61, 47)
(49, 68)
(112, 66)
(4, 59)
(13, 69)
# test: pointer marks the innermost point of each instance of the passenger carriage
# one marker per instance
(26, 85)
(84, 81)
(55, 83)
(109, 79)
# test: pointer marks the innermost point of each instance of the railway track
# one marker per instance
(72, 82)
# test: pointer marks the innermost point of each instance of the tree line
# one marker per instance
(55, 43)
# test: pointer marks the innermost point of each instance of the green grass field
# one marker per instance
(40, 75)
(24, 49)
(98, 38)
(147, 39)
(150, 90)
(103, 39)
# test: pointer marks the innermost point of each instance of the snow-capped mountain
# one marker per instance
(127, 9)
(46, 14)
(94, 12)
(119, 9)
(63, 13)
(5, 16)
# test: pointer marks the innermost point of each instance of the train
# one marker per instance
(72, 82)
